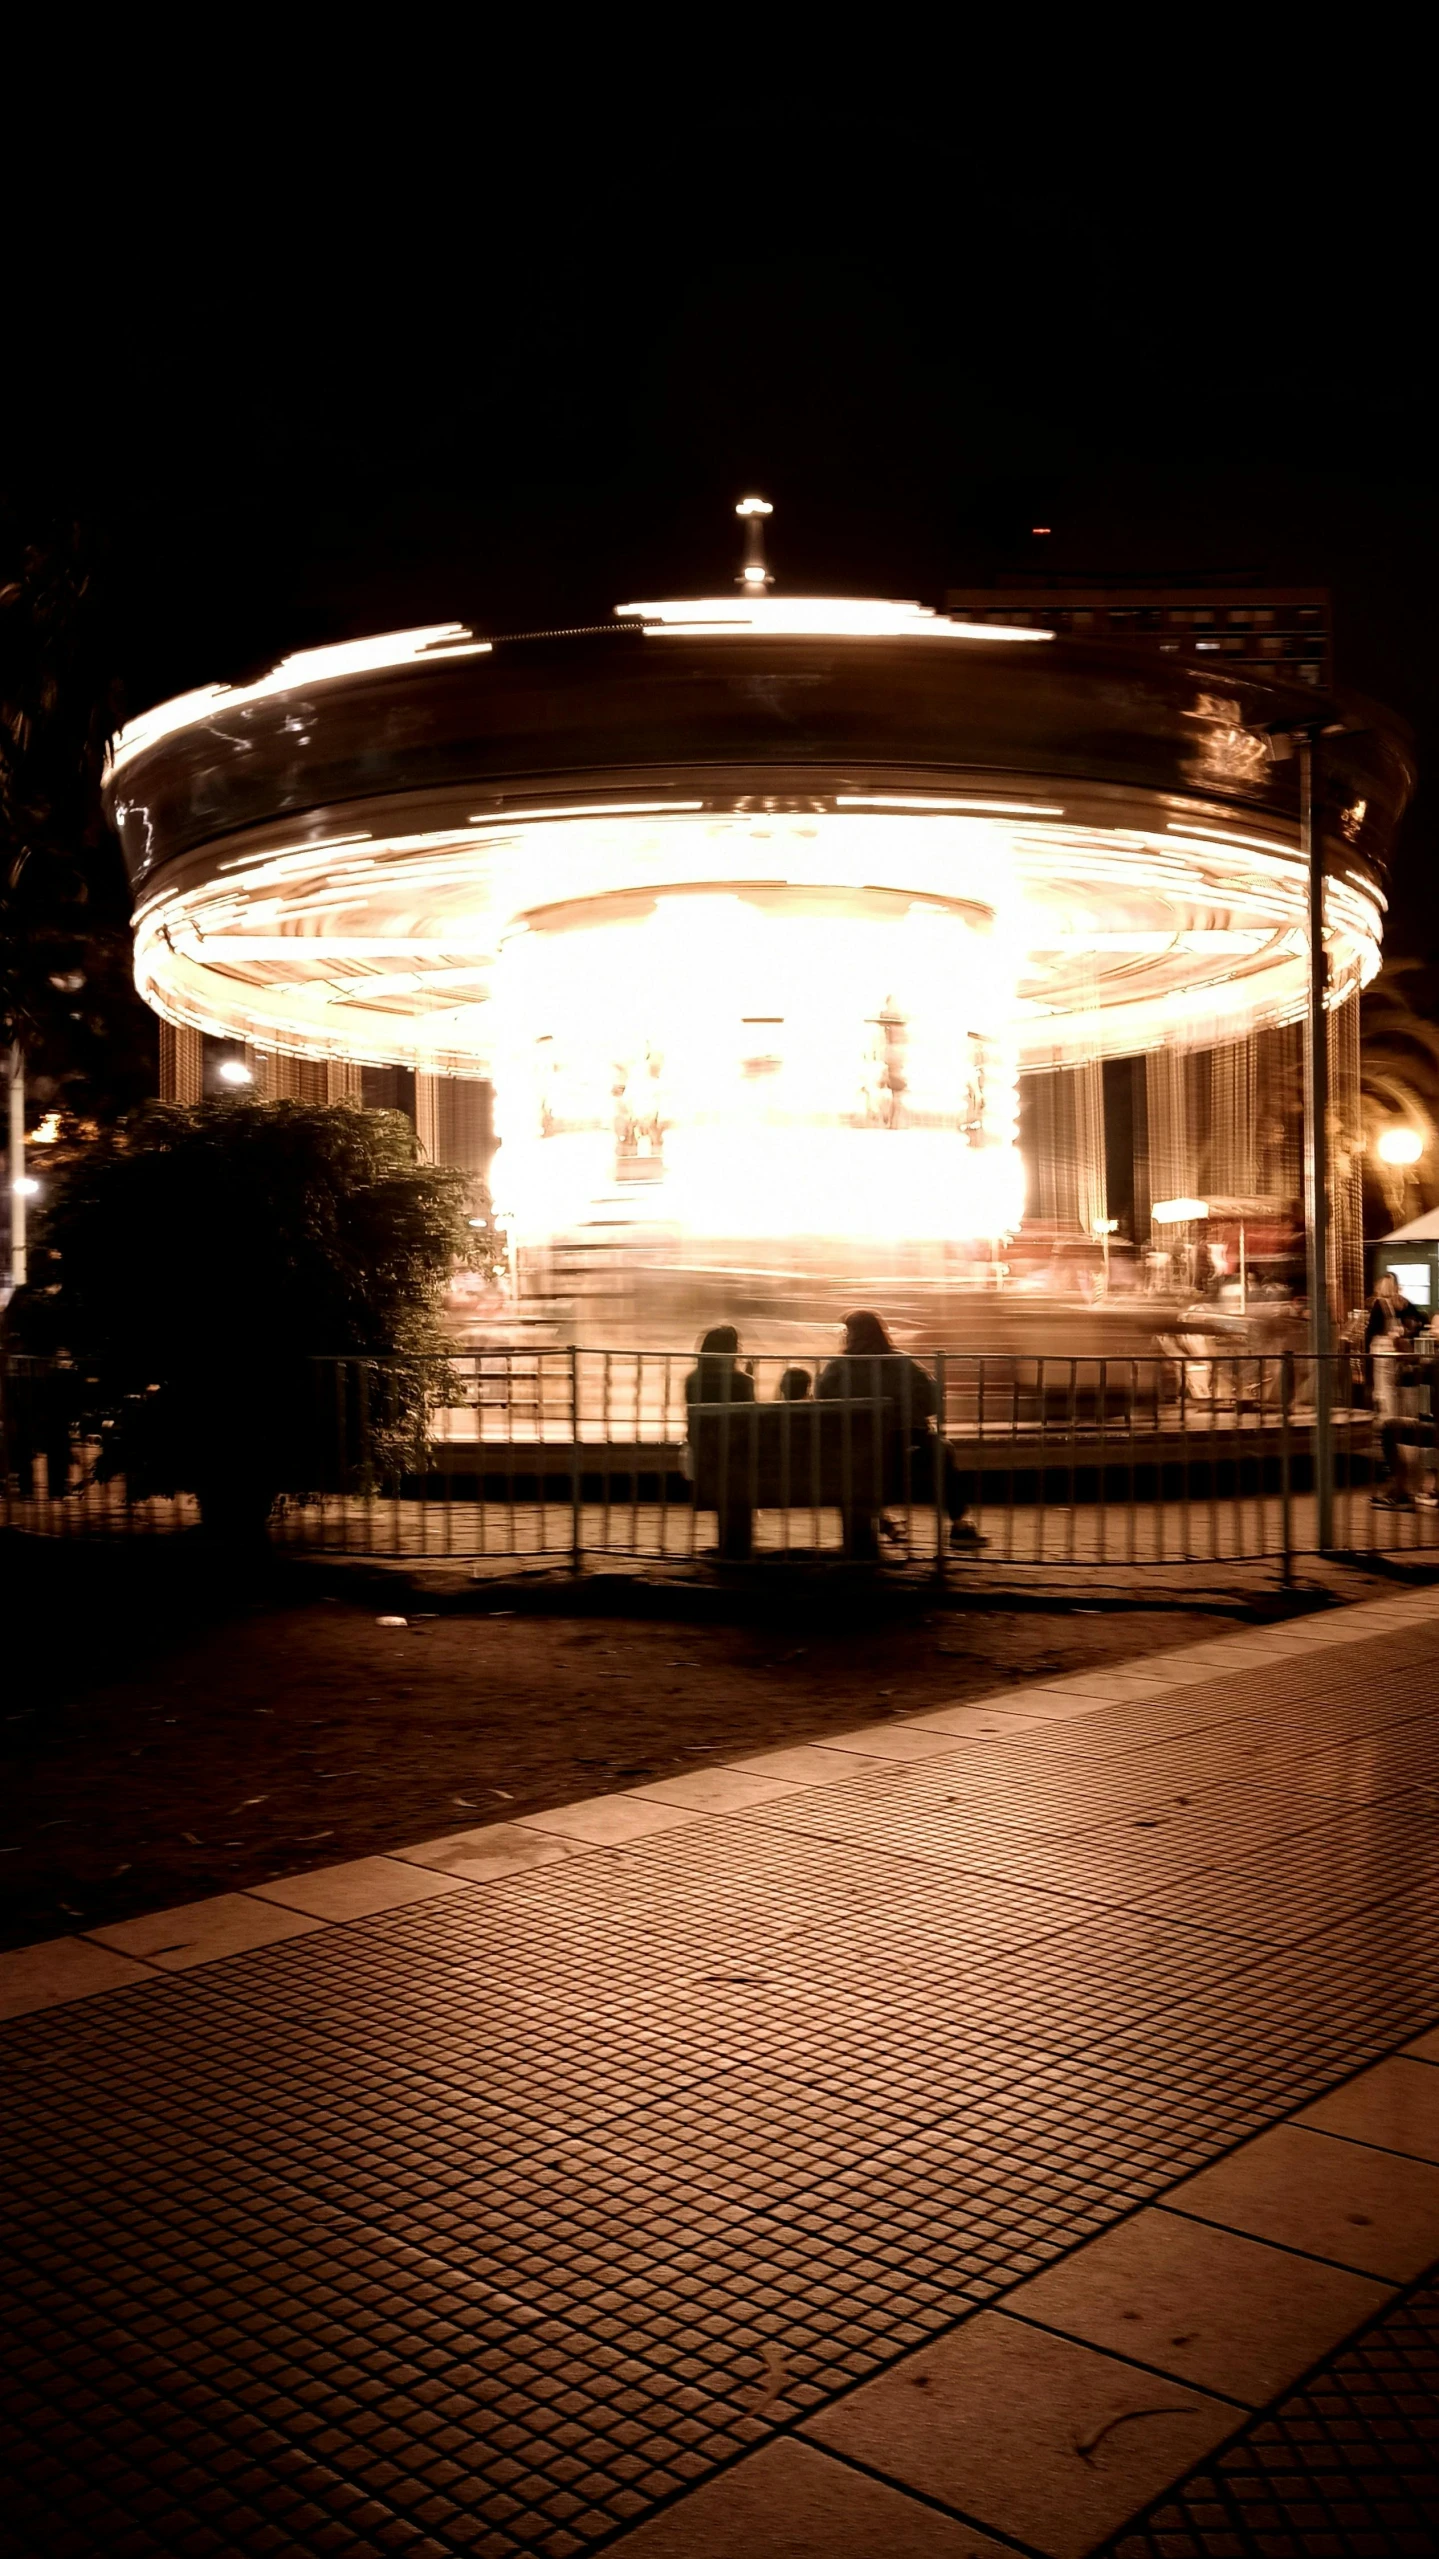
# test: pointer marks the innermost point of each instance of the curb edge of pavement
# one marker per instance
(56, 1972)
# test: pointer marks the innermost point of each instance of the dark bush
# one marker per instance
(196, 1263)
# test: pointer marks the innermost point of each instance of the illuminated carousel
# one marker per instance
(798, 940)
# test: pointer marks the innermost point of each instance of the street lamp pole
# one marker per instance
(1316, 1132)
(15, 1165)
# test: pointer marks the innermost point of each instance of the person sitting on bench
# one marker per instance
(717, 1377)
(870, 1365)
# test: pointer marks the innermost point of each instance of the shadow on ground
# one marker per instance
(175, 1727)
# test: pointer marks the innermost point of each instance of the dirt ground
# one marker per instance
(168, 1737)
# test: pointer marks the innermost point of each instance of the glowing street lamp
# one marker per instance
(1400, 1146)
(235, 1071)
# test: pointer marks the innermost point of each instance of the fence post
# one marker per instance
(941, 1467)
(576, 1524)
(1286, 1524)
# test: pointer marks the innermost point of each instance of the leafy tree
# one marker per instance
(194, 1264)
(67, 998)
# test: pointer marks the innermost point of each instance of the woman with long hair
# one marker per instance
(717, 1378)
(869, 1366)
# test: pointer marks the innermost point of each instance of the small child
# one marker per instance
(794, 1386)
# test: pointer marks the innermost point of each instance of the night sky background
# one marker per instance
(516, 387)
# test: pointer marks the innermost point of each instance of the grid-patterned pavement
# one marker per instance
(505, 2219)
(1346, 2468)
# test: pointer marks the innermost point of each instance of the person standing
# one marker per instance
(1392, 1321)
(1407, 1429)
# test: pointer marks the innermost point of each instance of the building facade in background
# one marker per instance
(1277, 633)
(453, 1116)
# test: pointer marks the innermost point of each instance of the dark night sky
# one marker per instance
(518, 394)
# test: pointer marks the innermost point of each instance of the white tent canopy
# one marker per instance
(1420, 1230)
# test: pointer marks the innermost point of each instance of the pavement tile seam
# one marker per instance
(998, 2517)
(1345, 2463)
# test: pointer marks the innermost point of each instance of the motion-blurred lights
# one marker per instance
(760, 1062)
(306, 667)
(26, 1187)
(834, 617)
(235, 1071)
(1401, 1146)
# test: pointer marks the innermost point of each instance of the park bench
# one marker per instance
(843, 1455)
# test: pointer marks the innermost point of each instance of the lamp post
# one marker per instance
(1316, 1132)
(15, 1166)
(1301, 738)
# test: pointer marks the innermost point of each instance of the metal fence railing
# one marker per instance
(569, 1456)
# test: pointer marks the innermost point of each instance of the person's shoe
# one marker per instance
(1393, 1502)
(963, 1533)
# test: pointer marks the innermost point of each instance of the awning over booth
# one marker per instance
(1420, 1230)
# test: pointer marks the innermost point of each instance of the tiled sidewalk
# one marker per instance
(1346, 2468)
(673, 2151)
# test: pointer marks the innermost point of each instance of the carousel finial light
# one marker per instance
(755, 577)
